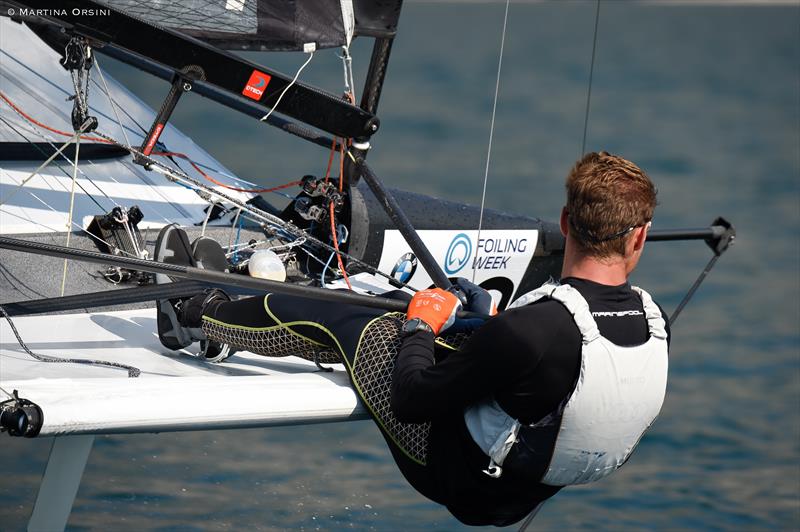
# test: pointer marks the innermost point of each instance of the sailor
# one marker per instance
(559, 388)
(487, 418)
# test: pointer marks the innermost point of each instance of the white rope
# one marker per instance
(266, 116)
(208, 217)
(491, 137)
(233, 227)
(71, 207)
(347, 65)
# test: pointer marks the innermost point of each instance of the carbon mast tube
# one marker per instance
(403, 224)
(214, 277)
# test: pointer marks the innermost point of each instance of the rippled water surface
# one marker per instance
(706, 99)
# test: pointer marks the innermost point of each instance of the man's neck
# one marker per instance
(612, 272)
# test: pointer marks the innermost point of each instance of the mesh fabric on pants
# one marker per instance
(371, 368)
(276, 341)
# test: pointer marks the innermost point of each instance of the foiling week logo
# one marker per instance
(256, 85)
(458, 254)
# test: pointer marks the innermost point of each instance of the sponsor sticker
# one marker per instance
(499, 257)
(458, 254)
(405, 267)
(256, 85)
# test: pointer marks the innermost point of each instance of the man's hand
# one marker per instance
(434, 306)
(476, 299)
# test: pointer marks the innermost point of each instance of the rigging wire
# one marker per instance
(219, 183)
(529, 519)
(46, 139)
(195, 165)
(204, 191)
(5, 392)
(262, 216)
(347, 65)
(111, 101)
(10, 124)
(491, 134)
(591, 75)
(54, 230)
(36, 172)
(209, 209)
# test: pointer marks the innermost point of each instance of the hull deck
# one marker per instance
(175, 391)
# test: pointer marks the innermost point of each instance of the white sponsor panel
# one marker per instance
(499, 253)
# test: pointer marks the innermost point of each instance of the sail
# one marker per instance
(275, 25)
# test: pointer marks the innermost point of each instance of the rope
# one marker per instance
(181, 177)
(338, 254)
(219, 183)
(48, 128)
(294, 80)
(132, 371)
(71, 209)
(209, 209)
(85, 176)
(330, 160)
(591, 75)
(491, 132)
(195, 165)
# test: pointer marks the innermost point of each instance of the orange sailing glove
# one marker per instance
(434, 306)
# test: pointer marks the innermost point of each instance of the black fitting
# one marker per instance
(724, 236)
(21, 417)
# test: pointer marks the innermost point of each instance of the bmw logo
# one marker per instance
(458, 254)
(405, 267)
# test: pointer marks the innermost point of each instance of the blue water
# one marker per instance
(706, 99)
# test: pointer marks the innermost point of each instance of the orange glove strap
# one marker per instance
(434, 306)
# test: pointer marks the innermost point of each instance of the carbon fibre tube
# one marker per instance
(403, 224)
(215, 277)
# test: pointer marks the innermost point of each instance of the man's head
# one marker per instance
(610, 202)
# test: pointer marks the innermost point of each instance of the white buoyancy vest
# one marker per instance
(618, 395)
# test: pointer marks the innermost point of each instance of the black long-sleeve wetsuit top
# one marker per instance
(528, 359)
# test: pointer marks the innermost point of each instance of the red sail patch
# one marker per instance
(256, 85)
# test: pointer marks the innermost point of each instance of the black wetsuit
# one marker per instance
(528, 358)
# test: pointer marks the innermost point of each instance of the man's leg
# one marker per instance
(365, 340)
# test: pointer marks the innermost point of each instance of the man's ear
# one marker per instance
(640, 237)
(564, 221)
